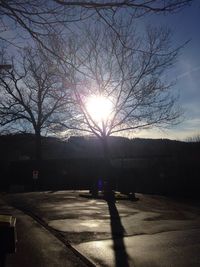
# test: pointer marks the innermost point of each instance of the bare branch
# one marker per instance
(133, 80)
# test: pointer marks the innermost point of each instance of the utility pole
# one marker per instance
(5, 67)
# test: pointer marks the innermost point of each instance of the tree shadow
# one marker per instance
(117, 231)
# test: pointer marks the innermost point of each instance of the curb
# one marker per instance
(58, 235)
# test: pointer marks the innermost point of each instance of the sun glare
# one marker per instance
(99, 108)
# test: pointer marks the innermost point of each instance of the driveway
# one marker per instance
(153, 231)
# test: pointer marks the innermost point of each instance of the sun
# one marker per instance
(99, 108)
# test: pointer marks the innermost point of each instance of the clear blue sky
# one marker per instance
(186, 26)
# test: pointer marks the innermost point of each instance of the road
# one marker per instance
(36, 246)
(153, 231)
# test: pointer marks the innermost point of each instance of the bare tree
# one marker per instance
(39, 18)
(32, 95)
(195, 138)
(131, 75)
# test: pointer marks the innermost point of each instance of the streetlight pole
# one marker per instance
(5, 67)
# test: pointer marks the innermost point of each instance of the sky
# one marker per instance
(185, 26)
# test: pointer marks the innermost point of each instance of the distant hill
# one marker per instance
(21, 147)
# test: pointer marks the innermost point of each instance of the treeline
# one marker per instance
(21, 147)
(139, 165)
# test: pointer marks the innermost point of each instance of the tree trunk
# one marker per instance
(106, 151)
(108, 187)
(38, 146)
(38, 157)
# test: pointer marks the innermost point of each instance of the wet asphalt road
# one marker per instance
(36, 247)
(153, 231)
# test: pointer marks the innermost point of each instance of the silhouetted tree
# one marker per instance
(194, 138)
(130, 74)
(32, 95)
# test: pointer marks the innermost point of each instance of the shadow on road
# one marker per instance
(117, 230)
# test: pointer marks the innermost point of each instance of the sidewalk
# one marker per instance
(36, 246)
